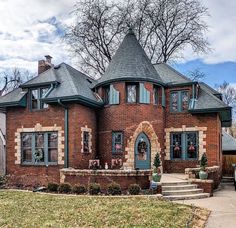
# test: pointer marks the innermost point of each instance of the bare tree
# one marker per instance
(163, 27)
(11, 79)
(196, 75)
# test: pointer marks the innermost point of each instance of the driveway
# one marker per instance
(222, 205)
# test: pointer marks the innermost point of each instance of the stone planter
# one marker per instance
(203, 175)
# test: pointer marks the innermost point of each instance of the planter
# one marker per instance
(203, 175)
(156, 177)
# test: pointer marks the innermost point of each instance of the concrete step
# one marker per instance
(187, 197)
(182, 192)
(179, 187)
(174, 183)
(227, 179)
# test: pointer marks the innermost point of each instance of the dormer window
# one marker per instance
(132, 93)
(179, 101)
(35, 98)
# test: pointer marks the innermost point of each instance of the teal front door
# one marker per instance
(142, 152)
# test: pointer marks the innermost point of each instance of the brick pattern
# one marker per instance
(39, 128)
(201, 134)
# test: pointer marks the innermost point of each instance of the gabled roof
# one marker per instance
(47, 77)
(228, 142)
(169, 75)
(130, 62)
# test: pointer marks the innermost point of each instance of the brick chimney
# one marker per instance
(44, 65)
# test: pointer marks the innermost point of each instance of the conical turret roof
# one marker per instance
(130, 62)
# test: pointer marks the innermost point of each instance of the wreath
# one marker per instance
(38, 154)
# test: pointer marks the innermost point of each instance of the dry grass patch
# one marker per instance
(27, 209)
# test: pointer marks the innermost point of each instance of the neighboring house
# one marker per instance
(229, 154)
(2, 143)
(65, 119)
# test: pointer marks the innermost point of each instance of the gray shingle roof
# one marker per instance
(169, 75)
(13, 97)
(130, 62)
(228, 142)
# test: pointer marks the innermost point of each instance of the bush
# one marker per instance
(94, 189)
(64, 188)
(134, 189)
(2, 181)
(52, 187)
(79, 189)
(114, 189)
(203, 161)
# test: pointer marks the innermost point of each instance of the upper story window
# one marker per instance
(179, 101)
(155, 95)
(40, 148)
(184, 145)
(132, 93)
(107, 95)
(36, 95)
(86, 139)
(117, 142)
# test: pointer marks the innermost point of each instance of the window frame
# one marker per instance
(184, 146)
(40, 103)
(179, 100)
(106, 96)
(114, 133)
(87, 141)
(137, 92)
(46, 161)
(155, 95)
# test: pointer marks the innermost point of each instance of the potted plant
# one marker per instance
(203, 163)
(156, 176)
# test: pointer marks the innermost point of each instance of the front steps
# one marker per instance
(182, 190)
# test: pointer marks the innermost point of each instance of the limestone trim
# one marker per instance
(201, 134)
(147, 128)
(89, 130)
(39, 128)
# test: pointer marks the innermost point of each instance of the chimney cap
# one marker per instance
(48, 57)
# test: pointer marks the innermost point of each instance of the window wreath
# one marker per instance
(38, 154)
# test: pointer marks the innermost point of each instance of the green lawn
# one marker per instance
(27, 209)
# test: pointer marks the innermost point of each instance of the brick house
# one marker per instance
(62, 122)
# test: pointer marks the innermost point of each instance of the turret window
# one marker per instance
(132, 93)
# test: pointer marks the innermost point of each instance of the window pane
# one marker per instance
(191, 145)
(34, 99)
(26, 140)
(43, 92)
(26, 155)
(52, 155)
(117, 142)
(155, 95)
(184, 101)
(39, 140)
(106, 95)
(176, 146)
(131, 93)
(174, 102)
(86, 142)
(52, 140)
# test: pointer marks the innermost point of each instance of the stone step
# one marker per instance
(227, 179)
(179, 187)
(182, 192)
(174, 183)
(187, 197)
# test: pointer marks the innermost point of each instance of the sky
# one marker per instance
(31, 29)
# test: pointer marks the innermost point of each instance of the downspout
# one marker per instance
(66, 126)
(193, 97)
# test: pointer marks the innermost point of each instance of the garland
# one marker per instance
(38, 154)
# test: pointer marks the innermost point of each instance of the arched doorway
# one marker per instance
(142, 152)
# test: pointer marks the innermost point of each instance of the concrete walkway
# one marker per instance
(222, 205)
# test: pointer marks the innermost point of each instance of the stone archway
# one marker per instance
(147, 128)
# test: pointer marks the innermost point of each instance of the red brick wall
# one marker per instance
(79, 116)
(126, 117)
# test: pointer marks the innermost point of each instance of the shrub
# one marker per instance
(2, 181)
(203, 161)
(157, 162)
(79, 189)
(94, 189)
(64, 188)
(114, 189)
(52, 187)
(134, 189)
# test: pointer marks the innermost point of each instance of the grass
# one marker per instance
(28, 209)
